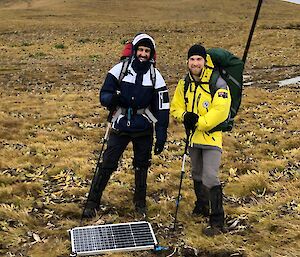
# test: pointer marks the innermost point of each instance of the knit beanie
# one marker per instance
(197, 50)
(145, 42)
(143, 39)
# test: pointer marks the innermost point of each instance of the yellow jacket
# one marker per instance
(211, 112)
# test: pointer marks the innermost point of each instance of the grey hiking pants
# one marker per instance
(205, 165)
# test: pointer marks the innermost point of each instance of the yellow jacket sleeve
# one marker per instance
(178, 104)
(218, 112)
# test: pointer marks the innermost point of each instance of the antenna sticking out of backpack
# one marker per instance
(252, 30)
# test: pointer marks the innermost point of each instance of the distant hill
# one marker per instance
(214, 10)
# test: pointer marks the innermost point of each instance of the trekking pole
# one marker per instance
(252, 30)
(181, 178)
(105, 139)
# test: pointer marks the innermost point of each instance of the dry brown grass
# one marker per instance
(54, 57)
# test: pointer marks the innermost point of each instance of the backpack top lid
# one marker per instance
(229, 62)
(127, 50)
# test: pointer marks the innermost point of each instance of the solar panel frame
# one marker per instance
(92, 240)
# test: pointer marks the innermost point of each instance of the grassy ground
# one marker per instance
(54, 56)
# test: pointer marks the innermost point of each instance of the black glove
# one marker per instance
(158, 148)
(115, 101)
(190, 120)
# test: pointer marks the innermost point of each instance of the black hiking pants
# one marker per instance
(142, 147)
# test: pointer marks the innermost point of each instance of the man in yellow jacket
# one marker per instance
(201, 110)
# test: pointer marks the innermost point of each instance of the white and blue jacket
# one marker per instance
(137, 92)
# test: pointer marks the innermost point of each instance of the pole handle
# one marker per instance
(110, 115)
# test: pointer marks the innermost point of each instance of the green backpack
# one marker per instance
(230, 68)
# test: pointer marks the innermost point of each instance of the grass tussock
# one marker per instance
(52, 246)
(70, 210)
(17, 217)
(248, 184)
(22, 189)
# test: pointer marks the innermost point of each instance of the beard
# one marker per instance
(140, 67)
(143, 58)
(196, 71)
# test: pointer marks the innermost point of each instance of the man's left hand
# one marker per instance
(190, 120)
(158, 148)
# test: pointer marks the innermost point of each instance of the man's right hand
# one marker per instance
(115, 101)
(190, 120)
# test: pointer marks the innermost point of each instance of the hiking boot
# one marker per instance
(216, 217)
(201, 210)
(90, 210)
(139, 198)
(202, 203)
(89, 213)
(142, 210)
(213, 231)
(99, 183)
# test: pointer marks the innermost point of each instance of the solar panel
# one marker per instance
(131, 236)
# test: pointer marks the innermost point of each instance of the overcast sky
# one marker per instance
(293, 1)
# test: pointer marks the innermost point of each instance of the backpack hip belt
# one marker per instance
(129, 112)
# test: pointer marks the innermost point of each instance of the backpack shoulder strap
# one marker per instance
(187, 81)
(124, 69)
(225, 75)
(125, 66)
(213, 81)
(153, 74)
